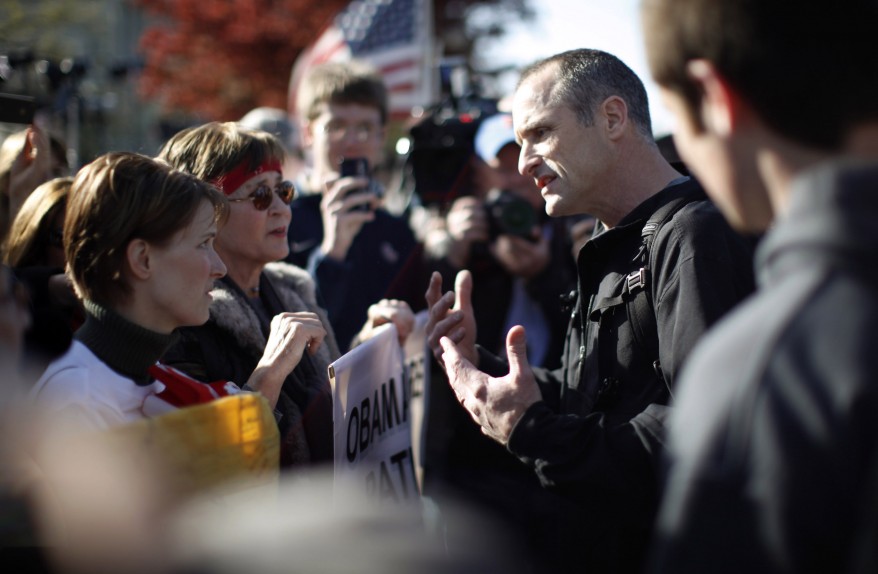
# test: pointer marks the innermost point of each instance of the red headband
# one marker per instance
(231, 181)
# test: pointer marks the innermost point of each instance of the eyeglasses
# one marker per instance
(338, 131)
(262, 197)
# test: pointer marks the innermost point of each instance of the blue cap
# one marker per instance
(494, 132)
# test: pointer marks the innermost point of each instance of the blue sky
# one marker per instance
(610, 25)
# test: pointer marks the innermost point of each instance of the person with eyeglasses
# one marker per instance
(351, 245)
(259, 291)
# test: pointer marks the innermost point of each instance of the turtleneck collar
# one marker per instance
(125, 347)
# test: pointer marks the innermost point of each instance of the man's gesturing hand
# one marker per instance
(451, 315)
(496, 404)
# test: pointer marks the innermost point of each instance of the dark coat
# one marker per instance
(595, 439)
(229, 346)
(347, 288)
(773, 443)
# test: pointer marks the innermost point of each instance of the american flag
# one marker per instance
(394, 36)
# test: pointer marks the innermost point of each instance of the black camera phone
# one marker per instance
(15, 109)
(355, 167)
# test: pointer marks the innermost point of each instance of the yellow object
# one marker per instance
(232, 439)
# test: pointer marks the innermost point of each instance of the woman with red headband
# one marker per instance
(258, 290)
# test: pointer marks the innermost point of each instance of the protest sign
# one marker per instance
(416, 362)
(371, 418)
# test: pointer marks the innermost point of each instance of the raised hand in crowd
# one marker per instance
(32, 166)
(388, 311)
(344, 213)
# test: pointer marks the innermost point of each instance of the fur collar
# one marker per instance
(296, 291)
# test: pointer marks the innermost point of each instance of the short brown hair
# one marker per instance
(119, 197)
(341, 83)
(214, 149)
(808, 69)
(585, 78)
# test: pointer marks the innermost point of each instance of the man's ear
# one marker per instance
(138, 256)
(721, 109)
(615, 110)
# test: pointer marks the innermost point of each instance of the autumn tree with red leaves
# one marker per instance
(219, 59)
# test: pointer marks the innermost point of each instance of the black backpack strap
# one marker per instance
(639, 285)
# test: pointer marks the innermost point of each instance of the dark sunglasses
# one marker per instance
(262, 198)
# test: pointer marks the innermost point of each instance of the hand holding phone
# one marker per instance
(342, 217)
(355, 167)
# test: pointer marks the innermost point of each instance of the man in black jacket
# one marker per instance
(661, 268)
(774, 441)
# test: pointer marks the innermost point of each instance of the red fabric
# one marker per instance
(181, 390)
(231, 181)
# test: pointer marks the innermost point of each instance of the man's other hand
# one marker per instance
(496, 404)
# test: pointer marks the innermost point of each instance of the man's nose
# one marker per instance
(527, 160)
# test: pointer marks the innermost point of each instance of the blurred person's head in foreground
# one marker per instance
(323, 523)
(745, 95)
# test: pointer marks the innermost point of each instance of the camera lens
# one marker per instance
(509, 214)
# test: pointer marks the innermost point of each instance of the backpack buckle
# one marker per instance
(637, 279)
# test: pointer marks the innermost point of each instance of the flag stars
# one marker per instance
(369, 25)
